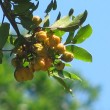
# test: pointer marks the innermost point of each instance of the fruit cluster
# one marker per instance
(44, 51)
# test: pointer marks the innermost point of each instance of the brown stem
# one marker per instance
(10, 18)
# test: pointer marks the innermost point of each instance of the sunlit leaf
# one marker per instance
(82, 34)
(71, 76)
(65, 24)
(4, 32)
(80, 53)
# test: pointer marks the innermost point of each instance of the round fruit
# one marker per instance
(41, 35)
(67, 56)
(48, 63)
(54, 40)
(60, 66)
(23, 74)
(38, 64)
(37, 20)
(39, 49)
(60, 48)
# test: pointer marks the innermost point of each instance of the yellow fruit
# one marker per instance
(60, 48)
(39, 49)
(60, 66)
(23, 74)
(37, 20)
(67, 56)
(41, 35)
(38, 64)
(54, 40)
(48, 63)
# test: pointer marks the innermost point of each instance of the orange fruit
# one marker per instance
(54, 40)
(23, 74)
(41, 35)
(60, 48)
(67, 56)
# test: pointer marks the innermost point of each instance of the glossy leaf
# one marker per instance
(80, 53)
(82, 34)
(4, 32)
(61, 81)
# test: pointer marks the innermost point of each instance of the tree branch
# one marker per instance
(10, 18)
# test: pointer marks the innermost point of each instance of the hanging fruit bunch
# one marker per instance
(43, 51)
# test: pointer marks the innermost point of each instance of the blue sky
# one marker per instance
(98, 44)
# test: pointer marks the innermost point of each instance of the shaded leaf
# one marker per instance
(80, 53)
(23, 7)
(82, 34)
(70, 37)
(58, 17)
(71, 12)
(54, 5)
(61, 81)
(1, 56)
(46, 21)
(49, 7)
(26, 22)
(4, 32)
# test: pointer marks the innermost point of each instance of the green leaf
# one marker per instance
(58, 33)
(26, 22)
(4, 32)
(49, 7)
(46, 21)
(71, 76)
(58, 17)
(71, 12)
(70, 37)
(1, 56)
(61, 81)
(79, 53)
(82, 34)
(65, 24)
(54, 5)
(23, 7)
